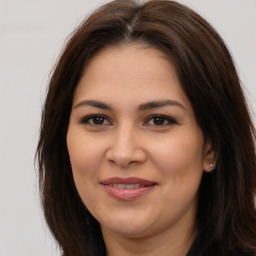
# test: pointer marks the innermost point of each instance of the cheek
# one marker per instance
(180, 158)
(85, 155)
(180, 163)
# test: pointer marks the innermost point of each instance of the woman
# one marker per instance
(146, 145)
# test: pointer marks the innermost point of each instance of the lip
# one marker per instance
(127, 194)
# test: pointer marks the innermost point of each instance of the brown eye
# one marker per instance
(96, 120)
(160, 120)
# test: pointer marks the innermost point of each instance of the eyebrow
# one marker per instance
(142, 107)
(94, 103)
(160, 103)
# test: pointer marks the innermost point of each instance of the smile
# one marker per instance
(127, 189)
(126, 186)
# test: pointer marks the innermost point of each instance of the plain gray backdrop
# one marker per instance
(32, 33)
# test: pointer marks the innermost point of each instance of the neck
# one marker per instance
(174, 243)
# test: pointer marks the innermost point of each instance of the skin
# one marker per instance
(129, 142)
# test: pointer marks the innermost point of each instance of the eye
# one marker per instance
(96, 120)
(160, 120)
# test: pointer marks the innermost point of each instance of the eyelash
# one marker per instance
(85, 120)
(169, 120)
(163, 118)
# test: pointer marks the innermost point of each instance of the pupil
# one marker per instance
(98, 120)
(158, 121)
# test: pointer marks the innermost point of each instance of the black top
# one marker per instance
(200, 248)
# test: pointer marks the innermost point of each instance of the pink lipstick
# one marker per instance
(127, 188)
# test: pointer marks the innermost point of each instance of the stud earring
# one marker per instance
(212, 166)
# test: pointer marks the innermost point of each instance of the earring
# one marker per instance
(212, 166)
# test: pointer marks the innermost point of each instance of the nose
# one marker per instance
(126, 148)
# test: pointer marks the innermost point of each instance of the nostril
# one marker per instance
(125, 155)
(112, 161)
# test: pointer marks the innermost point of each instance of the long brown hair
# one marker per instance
(226, 211)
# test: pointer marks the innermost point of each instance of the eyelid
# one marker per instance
(168, 118)
(84, 120)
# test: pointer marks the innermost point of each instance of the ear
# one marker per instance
(210, 157)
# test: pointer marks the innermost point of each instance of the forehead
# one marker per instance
(131, 59)
(129, 71)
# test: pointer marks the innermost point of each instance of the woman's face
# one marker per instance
(136, 151)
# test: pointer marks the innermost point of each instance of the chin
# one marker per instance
(127, 226)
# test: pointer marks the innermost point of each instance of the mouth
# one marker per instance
(127, 188)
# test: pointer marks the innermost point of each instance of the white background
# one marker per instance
(32, 34)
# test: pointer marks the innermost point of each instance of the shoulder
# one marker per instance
(202, 247)
(238, 252)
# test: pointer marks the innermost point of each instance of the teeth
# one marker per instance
(119, 185)
(130, 185)
(127, 186)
